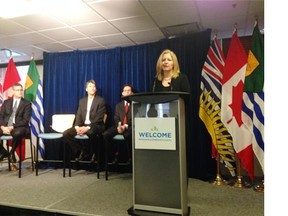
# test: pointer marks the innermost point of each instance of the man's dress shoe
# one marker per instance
(12, 158)
(81, 156)
(93, 159)
(114, 162)
(3, 155)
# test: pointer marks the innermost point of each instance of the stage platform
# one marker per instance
(85, 195)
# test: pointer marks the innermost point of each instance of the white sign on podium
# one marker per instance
(155, 133)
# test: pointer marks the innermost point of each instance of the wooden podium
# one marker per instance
(159, 153)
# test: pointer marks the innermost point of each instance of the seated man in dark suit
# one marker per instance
(122, 125)
(89, 120)
(15, 116)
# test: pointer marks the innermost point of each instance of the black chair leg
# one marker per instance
(9, 162)
(98, 160)
(20, 158)
(68, 159)
(106, 161)
(32, 155)
(64, 160)
(36, 159)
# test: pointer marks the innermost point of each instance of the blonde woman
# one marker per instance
(168, 76)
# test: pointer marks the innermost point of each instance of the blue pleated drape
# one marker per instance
(65, 75)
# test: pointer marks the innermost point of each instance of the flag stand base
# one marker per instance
(14, 167)
(241, 183)
(219, 180)
(259, 187)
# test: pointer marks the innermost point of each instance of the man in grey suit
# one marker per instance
(89, 120)
(15, 116)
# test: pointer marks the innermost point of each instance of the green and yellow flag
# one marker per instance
(32, 80)
(254, 77)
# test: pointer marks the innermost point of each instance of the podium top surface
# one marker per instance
(156, 97)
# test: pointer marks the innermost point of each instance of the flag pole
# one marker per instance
(240, 182)
(219, 180)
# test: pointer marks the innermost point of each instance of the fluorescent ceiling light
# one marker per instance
(17, 8)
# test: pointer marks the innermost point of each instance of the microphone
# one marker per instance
(154, 84)
(171, 88)
(152, 112)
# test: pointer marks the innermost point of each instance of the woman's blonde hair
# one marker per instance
(176, 69)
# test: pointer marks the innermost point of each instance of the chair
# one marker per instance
(6, 138)
(96, 153)
(120, 139)
(60, 123)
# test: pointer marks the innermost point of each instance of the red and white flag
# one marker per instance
(231, 107)
(11, 77)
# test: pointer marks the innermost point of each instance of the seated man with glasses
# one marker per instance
(15, 116)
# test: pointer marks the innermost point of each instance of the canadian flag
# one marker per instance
(231, 106)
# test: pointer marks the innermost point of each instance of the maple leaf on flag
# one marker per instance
(236, 105)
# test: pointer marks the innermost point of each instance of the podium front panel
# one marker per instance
(159, 157)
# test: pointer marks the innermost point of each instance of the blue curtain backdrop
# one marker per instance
(65, 75)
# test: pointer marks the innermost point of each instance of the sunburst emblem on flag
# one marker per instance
(28, 83)
(221, 138)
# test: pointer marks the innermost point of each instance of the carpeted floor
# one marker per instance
(84, 195)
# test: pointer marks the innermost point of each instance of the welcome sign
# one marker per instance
(155, 133)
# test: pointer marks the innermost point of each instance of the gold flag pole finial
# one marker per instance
(235, 27)
(215, 33)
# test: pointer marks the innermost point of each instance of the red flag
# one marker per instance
(232, 94)
(1, 95)
(11, 77)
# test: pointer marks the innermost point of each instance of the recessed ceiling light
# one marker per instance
(9, 9)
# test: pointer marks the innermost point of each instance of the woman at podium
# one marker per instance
(168, 76)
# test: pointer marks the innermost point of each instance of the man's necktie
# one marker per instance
(10, 121)
(125, 116)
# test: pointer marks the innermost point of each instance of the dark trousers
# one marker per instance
(17, 134)
(110, 144)
(75, 145)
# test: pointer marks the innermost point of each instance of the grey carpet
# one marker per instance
(84, 195)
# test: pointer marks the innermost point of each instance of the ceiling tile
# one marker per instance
(134, 24)
(97, 29)
(8, 42)
(118, 8)
(54, 47)
(10, 28)
(172, 13)
(83, 44)
(62, 34)
(219, 9)
(116, 40)
(77, 13)
(146, 36)
(35, 22)
(85, 24)
(32, 38)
